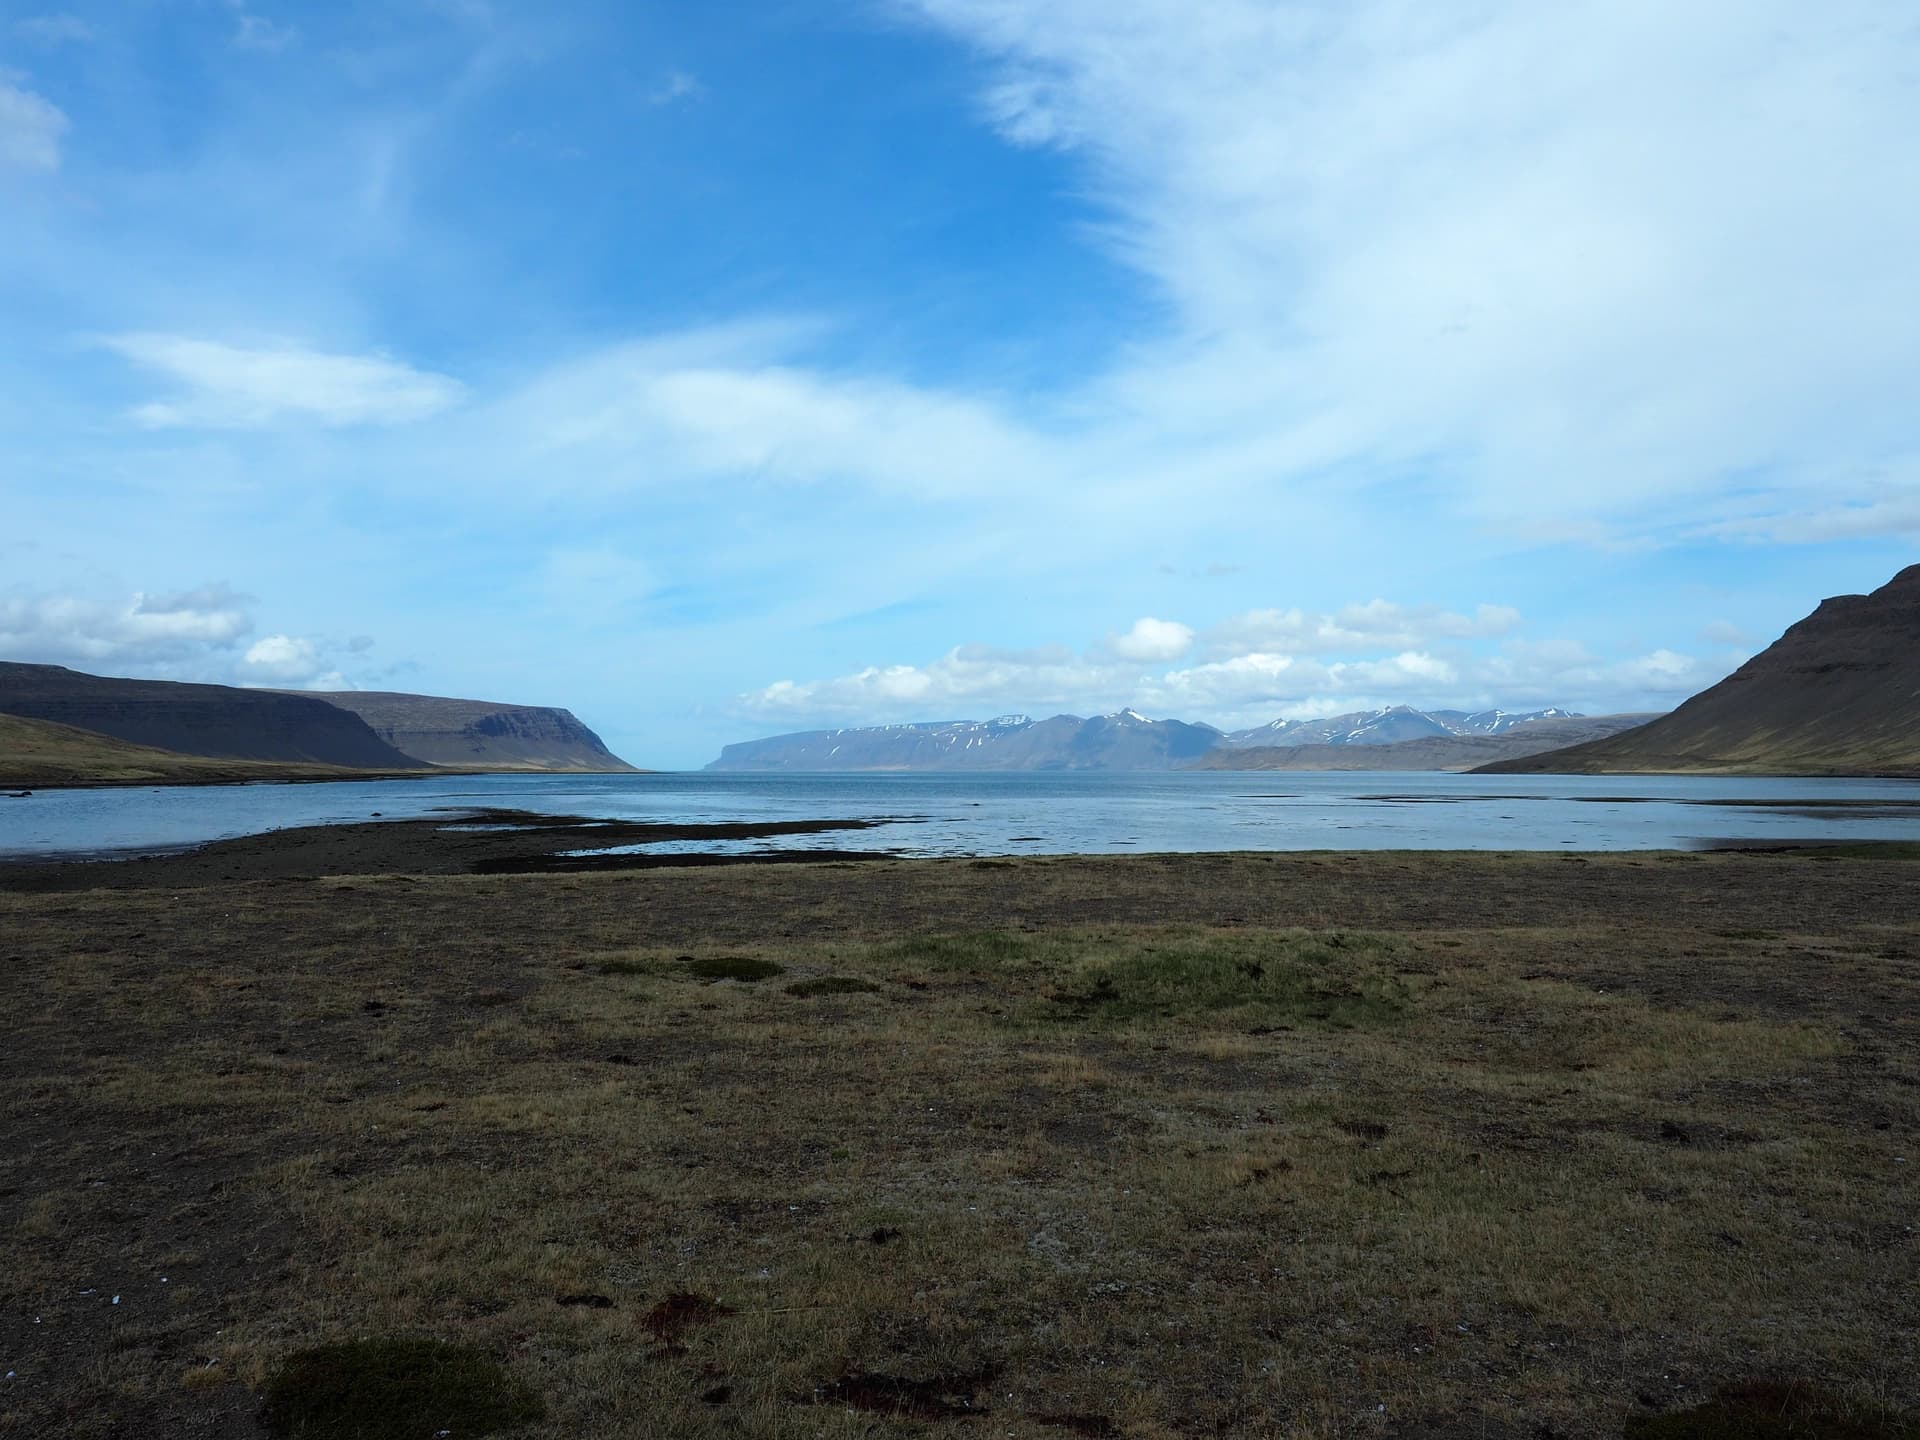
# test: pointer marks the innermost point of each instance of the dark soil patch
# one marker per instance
(395, 1390)
(1773, 1410)
(944, 1397)
(832, 985)
(743, 968)
(586, 1301)
(677, 1314)
(1096, 1427)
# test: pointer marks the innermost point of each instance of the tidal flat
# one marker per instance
(1385, 1144)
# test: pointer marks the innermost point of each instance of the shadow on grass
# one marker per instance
(832, 985)
(395, 1389)
(743, 968)
(1774, 1410)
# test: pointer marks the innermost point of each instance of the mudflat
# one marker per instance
(1311, 1144)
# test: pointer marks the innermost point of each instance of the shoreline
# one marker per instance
(469, 841)
(290, 775)
(494, 841)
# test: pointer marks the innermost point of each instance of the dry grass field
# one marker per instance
(1385, 1145)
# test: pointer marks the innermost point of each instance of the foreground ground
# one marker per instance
(1233, 1145)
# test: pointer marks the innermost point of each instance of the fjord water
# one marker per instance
(1030, 813)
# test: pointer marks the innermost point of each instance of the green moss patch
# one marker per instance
(394, 1389)
(1334, 980)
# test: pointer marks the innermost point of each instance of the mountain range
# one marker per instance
(371, 732)
(1456, 752)
(1126, 740)
(1837, 694)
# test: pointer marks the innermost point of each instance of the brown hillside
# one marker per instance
(219, 721)
(477, 734)
(1838, 694)
(42, 754)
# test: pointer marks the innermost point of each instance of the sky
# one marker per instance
(717, 371)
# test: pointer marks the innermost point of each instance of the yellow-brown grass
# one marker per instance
(1453, 1178)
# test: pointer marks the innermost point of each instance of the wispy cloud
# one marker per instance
(54, 29)
(31, 127)
(1589, 259)
(239, 387)
(254, 31)
(678, 85)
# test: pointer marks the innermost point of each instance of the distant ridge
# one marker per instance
(1434, 752)
(1391, 726)
(477, 734)
(1838, 694)
(218, 721)
(1124, 740)
(1128, 740)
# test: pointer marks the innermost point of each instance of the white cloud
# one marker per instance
(282, 660)
(199, 635)
(1602, 259)
(1151, 639)
(239, 387)
(140, 630)
(31, 128)
(1378, 623)
(717, 403)
(1255, 685)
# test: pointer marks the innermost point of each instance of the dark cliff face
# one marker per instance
(1838, 693)
(478, 733)
(211, 720)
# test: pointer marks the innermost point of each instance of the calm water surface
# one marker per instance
(1015, 814)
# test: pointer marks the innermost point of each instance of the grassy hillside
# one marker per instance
(40, 753)
(218, 721)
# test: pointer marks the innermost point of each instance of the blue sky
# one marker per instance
(722, 370)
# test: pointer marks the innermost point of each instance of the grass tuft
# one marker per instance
(1275, 980)
(395, 1389)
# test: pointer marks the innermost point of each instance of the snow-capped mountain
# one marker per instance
(1124, 740)
(1389, 726)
